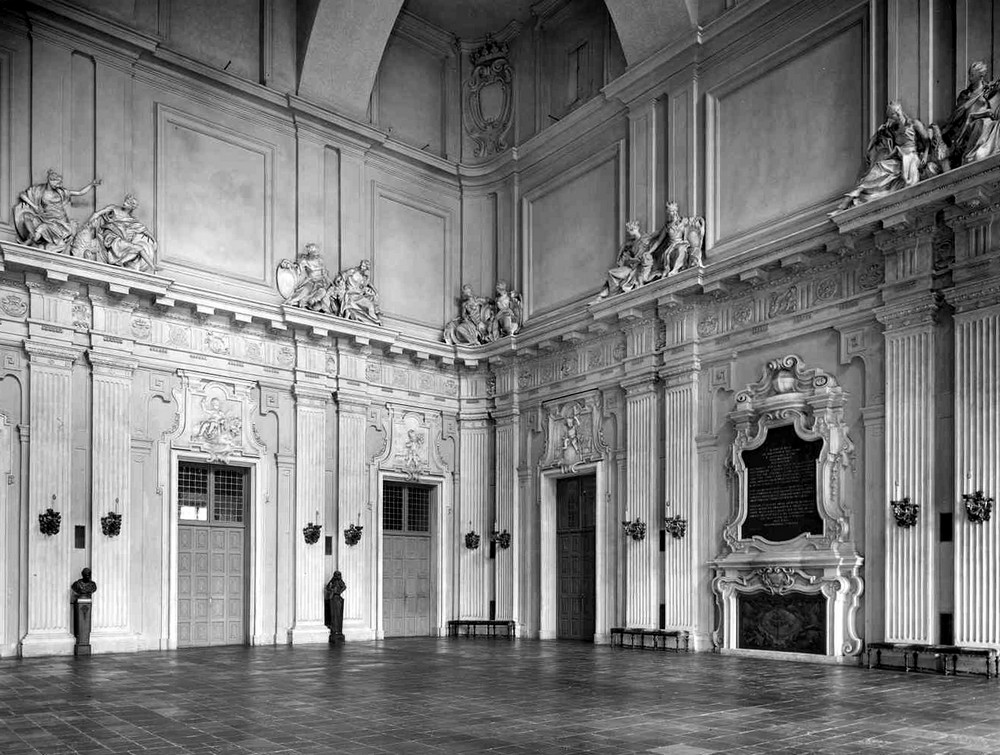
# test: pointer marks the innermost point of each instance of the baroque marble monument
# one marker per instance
(304, 282)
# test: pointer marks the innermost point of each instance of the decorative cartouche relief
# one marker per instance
(304, 282)
(482, 320)
(489, 98)
(13, 304)
(111, 235)
(413, 441)
(573, 432)
(215, 416)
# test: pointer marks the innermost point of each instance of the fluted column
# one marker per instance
(357, 562)
(110, 491)
(475, 570)
(977, 467)
(681, 487)
(911, 406)
(507, 514)
(310, 488)
(49, 486)
(642, 459)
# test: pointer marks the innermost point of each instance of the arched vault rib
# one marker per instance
(343, 47)
(645, 26)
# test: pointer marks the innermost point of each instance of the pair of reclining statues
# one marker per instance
(903, 151)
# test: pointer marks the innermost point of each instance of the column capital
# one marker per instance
(111, 365)
(307, 396)
(913, 313)
(639, 386)
(48, 354)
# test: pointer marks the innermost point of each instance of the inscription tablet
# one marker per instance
(781, 487)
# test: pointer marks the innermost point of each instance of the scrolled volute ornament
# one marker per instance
(489, 98)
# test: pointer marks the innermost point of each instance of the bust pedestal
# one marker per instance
(81, 624)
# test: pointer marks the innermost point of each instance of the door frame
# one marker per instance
(605, 552)
(441, 530)
(253, 616)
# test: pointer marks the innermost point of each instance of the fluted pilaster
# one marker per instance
(110, 491)
(977, 467)
(910, 418)
(475, 570)
(310, 488)
(642, 433)
(681, 493)
(507, 497)
(49, 485)
(356, 561)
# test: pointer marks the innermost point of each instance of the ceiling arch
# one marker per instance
(645, 26)
(343, 47)
(343, 41)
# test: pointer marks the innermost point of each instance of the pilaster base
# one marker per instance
(359, 634)
(38, 644)
(113, 642)
(307, 634)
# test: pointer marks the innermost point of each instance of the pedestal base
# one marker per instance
(113, 642)
(56, 643)
(307, 634)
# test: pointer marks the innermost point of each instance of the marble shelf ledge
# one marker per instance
(63, 268)
(897, 209)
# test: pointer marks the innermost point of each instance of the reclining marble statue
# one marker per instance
(111, 235)
(304, 282)
(481, 320)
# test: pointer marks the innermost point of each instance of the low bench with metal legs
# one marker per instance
(491, 627)
(660, 638)
(942, 656)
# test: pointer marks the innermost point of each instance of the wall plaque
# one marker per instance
(792, 623)
(781, 487)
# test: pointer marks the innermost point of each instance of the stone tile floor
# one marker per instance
(478, 695)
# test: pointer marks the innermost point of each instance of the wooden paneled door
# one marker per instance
(406, 564)
(576, 541)
(211, 555)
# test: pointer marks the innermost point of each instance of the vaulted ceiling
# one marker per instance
(343, 43)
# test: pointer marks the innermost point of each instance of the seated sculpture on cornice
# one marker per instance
(40, 215)
(304, 282)
(472, 326)
(481, 321)
(897, 154)
(634, 265)
(973, 130)
(357, 296)
(508, 312)
(679, 244)
(114, 236)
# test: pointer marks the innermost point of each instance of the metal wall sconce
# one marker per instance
(903, 511)
(111, 523)
(978, 506)
(472, 538)
(352, 535)
(636, 529)
(311, 533)
(500, 539)
(50, 520)
(676, 525)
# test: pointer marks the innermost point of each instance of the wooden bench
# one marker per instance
(659, 638)
(940, 654)
(491, 627)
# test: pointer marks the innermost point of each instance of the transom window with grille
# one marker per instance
(406, 508)
(210, 493)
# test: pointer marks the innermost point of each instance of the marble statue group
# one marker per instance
(903, 151)
(678, 245)
(482, 320)
(111, 235)
(304, 282)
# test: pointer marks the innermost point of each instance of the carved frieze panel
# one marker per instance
(573, 432)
